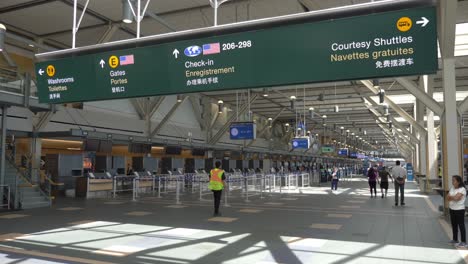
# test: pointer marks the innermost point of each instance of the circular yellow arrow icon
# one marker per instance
(404, 24)
(50, 70)
(113, 62)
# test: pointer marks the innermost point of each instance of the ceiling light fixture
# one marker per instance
(127, 12)
(381, 96)
(2, 36)
(220, 106)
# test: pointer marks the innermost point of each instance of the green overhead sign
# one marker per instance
(328, 149)
(372, 46)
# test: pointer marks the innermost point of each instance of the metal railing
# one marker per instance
(26, 176)
(6, 196)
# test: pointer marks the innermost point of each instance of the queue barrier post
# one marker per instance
(177, 190)
(154, 185)
(246, 189)
(134, 187)
(262, 182)
(114, 188)
(159, 186)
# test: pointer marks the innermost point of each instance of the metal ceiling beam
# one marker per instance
(463, 106)
(139, 109)
(110, 31)
(379, 119)
(421, 95)
(160, 20)
(395, 107)
(9, 60)
(309, 5)
(43, 119)
(28, 41)
(396, 123)
(88, 11)
(155, 103)
(266, 127)
(29, 4)
(225, 127)
(197, 110)
(166, 118)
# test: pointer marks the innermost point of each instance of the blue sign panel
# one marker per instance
(343, 152)
(245, 130)
(409, 171)
(353, 155)
(300, 143)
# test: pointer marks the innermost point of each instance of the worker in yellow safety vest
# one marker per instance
(217, 185)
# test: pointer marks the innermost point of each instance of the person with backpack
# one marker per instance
(456, 198)
(383, 176)
(373, 174)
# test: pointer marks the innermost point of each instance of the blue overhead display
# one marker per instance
(343, 152)
(244, 130)
(409, 171)
(300, 143)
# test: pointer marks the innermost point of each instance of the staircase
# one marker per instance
(26, 195)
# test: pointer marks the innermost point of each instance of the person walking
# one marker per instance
(373, 174)
(216, 185)
(383, 180)
(456, 198)
(334, 183)
(399, 174)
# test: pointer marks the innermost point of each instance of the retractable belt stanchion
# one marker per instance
(226, 191)
(154, 185)
(177, 190)
(134, 191)
(200, 187)
(246, 189)
(114, 187)
(270, 182)
(262, 182)
(159, 186)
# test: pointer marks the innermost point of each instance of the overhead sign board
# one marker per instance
(377, 45)
(244, 130)
(328, 149)
(343, 152)
(300, 143)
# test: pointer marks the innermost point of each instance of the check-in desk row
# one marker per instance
(100, 185)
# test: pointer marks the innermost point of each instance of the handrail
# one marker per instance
(44, 175)
(27, 177)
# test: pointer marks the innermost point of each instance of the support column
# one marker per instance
(451, 140)
(3, 145)
(422, 136)
(432, 167)
(416, 165)
(36, 151)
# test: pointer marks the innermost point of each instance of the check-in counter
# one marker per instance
(99, 185)
(146, 181)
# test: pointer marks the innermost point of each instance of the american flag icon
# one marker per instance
(126, 60)
(212, 48)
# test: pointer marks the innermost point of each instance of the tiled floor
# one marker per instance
(319, 227)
